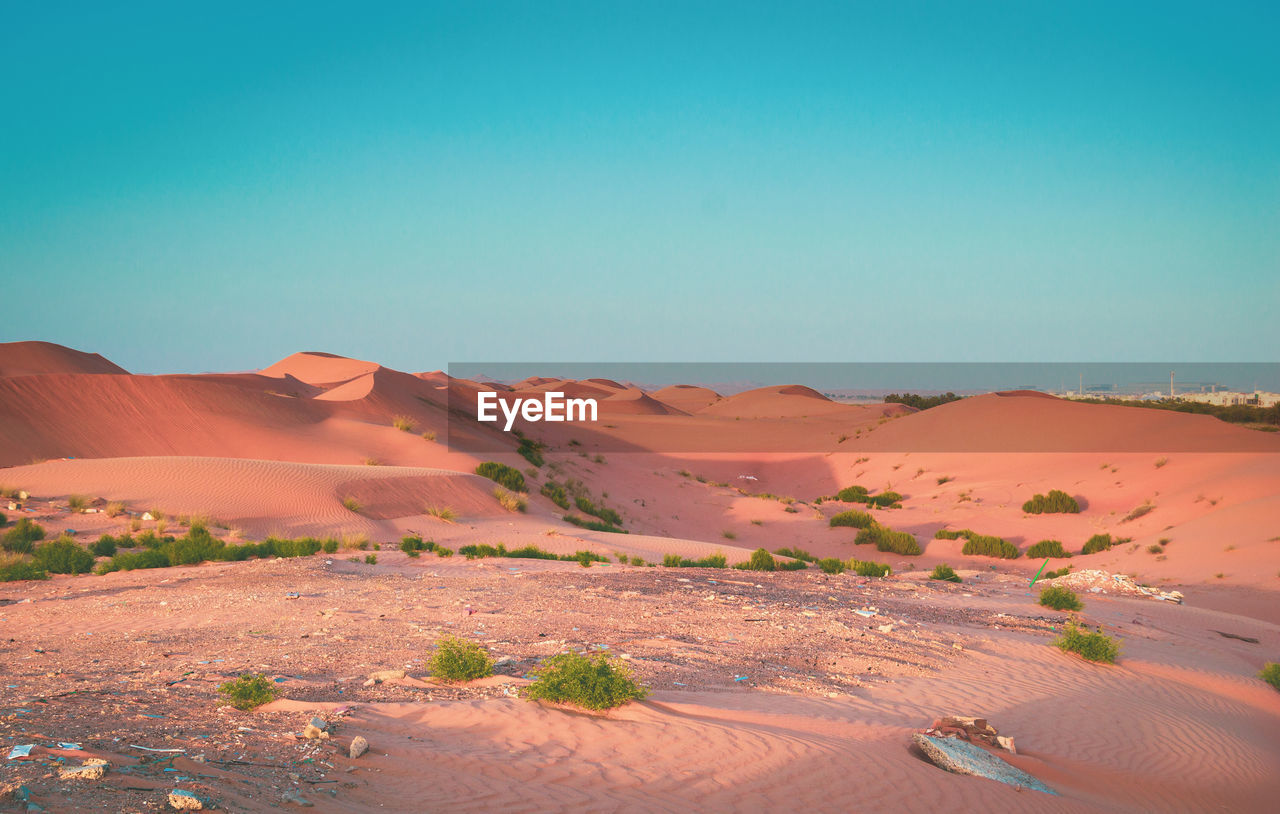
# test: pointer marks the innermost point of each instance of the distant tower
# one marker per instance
(1170, 384)
(1080, 392)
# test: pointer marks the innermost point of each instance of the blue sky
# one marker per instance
(212, 188)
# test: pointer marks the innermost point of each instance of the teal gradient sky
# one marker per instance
(191, 187)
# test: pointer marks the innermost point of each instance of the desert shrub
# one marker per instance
(761, 560)
(951, 534)
(249, 691)
(593, 525)
(479, 551)
(502, 475)
(531, 451)
(988, 545)
(831, 565)
(713, 561)
(77, 503)
(1056, 502)
(1094, 646)
(886, 539)
(1048, 548)
(1271, 674)
(606, 514)
(441, 551)
(1061, 572)
(944, 573)
(792, 565)
(444, 513)
(403, 423)
(330, 545)
(113, 509)
(15, 567)
(412, 545)
(459, 660)
(1098, 542)
(795, 554)
(63, 556)
(886, 499)
(555, 493)
(530, 552)
(370, 559)
(867, 568)
(1060, 597)
(104, 547)
(351, 504)
(196, 546)
(132, 561)
(3, 519)
(21, 539)
(853, 494)
(598, 683)
(853, 519)
(1155, 548)
(1139, 511)
(511, 501)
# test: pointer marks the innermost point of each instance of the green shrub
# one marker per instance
(761, 560)
(479, 551)
(593, 525)
(249, 691)
(1060, 597)
(1092, 646)
(530, 552)
(886, 539)
(795, 554)
(606, 514)
(351, 504)
(78, 503)
(792, 565)
(403, 423)
(21, 539)
(63, 556)
(1271, 674)
(867, 568)
(531, 451)
(598, 683)
(14, 568)
(131, 561)
(945, 573)
(502, 475)
(1048, 548)
(104, 547)
(713, 561)
(1056, 502)
(853, 519)
(370, 559)
(330, 545)
(1098, 542)
(459, 660)
(1061, 572)
(3, 519)
(853, 494)
(556, 494)
(951, 534)
(987, 545)
(831, 565)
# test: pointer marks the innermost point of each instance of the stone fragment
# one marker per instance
(316, 728)
(962, 757)
(358, 746)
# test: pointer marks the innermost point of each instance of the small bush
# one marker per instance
(593, 525)
(1060, 597)
(1271, 674)
(886, 539)
(792, 565)
(713, 561)
(113, 509)
(502, 475)
(132, 561)
(867, 568)
(15, 567)
(1048, 548)
(598, 683)
(761, 560)
(1098, 542)
(78, 503)
(853, 519)
(831, 565)
(330, 545)
(853, 494)
(1156, 548)
(104, 547)
(795, 554)
(351, 504)
(1139, 511)
(1056, 502)
(459, 660)
(370, 559)
(21, 539)
(945, 573)
(403, 423)
(986, 545)
(442, 513)
(479, 551)
(3, 519)
(729, 535)
(951, 534)
(249, 691)
(586, 506)
(555, 493)
(1061, 572)
(64, 556)
(1097, 646)
(531, 451)
(511, 501)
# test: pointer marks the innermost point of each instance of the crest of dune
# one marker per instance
(40, 358)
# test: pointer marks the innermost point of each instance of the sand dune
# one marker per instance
(687, 397)
(315, 367)
(779, 401)
(39, 358)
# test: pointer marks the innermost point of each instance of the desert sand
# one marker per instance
(769, 691)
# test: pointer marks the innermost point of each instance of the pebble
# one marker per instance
(316, 728)
(184, 800)
(358, 746)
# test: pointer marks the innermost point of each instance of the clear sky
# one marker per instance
(212, 186)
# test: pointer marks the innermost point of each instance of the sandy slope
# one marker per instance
(38, 358)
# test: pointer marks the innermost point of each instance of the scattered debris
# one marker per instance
(291, 796)
(1103, 582)
(92, 769)
(969, 729)
(316, 729)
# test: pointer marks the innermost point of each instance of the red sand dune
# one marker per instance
(634, 401)
(790, 400)
(687, 397)
(315, 367)
(39, 358)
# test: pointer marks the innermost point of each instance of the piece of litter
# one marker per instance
(740, 678)
(68, 746)
(150, 749)
(21, 750)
